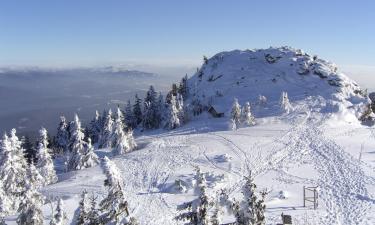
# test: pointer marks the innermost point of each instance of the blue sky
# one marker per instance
(73, 32)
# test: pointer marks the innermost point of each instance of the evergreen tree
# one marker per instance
(114, 206)
(251, 210)
(77, 145)
(197, 210)
(150, 110)
(137, 111)
(235, 115)
(161, 110)
(130, 119)
(34, 177)
(246, 115)
(180, 108)
(13, 169)
(60, 217)
(5, 204)
(183, 88)
(121, 145)
(30, 152)
(106, 138)
(44, 163)
(93, 217)
(30, 212)
(262, 100)
(95, 127)
(62, 137)
(89, 158)
(172, 116)
(284, 103)
(84, 208)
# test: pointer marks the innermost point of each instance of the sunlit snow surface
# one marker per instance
(319, 143)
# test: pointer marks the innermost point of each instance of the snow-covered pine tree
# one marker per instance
(251, 210)
(180, 108)
(106, 137)
(89, 158)
(114, 206)
(172, 115)
(183, 88)
(34, 177)
(215, 218)
(161, 109)
(247, 117)
(84, 208)
(93, 217)
(284, 102)
(28, 146)
(13, 169)
(197, 210)
(262, 100)
(121, 141)
(5, 204)
(130, 119)
(137, 111)
(60, 217)
(61, 140)
(44, 161)
(30, 212)
(150, 109)
(77, 145)
(235, 115)
(131, 140)
(94, 128)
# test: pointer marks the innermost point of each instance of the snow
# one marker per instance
(319, 143)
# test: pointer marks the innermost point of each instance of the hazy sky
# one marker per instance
(74, 32)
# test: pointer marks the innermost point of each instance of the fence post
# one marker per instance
(304, 205)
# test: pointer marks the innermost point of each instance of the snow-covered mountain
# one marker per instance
(268, 72)
(284, 151)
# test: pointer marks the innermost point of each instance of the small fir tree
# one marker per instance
(60, 217)
(62, 137)
(89, 158)
(197, 210)
(137, 111)
(114, 206)
(44, 163)
(106, 138)
(77, 145)
(235, 115)
(246, 116)
(30, 212)
(172, 120)
(284, 103)
(84, 208)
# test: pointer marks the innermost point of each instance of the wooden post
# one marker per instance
(304, 205)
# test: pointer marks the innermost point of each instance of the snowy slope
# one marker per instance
(285, 152)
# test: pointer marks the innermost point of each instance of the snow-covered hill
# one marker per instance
(268, 72)
(285, 152)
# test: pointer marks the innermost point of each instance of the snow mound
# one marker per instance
(248, 74)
